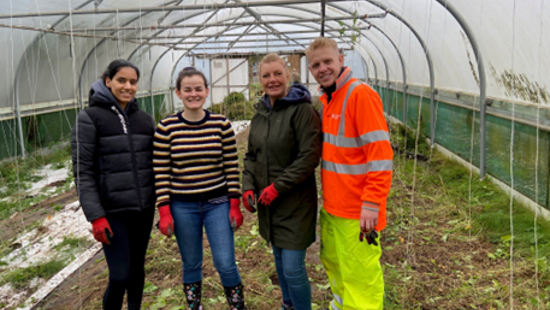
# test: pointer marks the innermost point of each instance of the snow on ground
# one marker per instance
(239, 126)
(50, 176)
(9, 296)
(37, 244)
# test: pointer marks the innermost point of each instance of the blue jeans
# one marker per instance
(189, 219)
(291, 269)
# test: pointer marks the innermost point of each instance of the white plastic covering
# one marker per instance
(42, 70)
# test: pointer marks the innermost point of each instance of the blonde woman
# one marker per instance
(284, 147)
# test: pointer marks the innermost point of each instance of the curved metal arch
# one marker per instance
(482, 81)
(177, 22)
(175, 64)
(96, 47)
(18, 72)
(215, 35)
(387, 71)
(428, 59)
(379, 51)
(235, 19)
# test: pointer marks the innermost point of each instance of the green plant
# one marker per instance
(235, 107)
(354, 28)
(68, 244)
(20, 278)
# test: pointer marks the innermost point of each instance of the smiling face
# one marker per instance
(274, 79)
(123, 85)
(325, 64)
(192, 92)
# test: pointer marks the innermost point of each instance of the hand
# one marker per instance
(249, 202)
(369, 217)
(235, 215)
(166, 223)
(102, 230)
(268, 195)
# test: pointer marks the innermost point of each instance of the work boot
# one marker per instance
(193, 295)
(235, 296)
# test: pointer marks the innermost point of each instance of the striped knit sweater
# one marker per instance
(195, 161)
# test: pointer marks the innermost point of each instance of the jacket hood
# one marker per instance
(297, 93)
(101, 95)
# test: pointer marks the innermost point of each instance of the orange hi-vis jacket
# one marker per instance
(357, 164)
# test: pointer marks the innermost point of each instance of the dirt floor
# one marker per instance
(434, 257)
(19, 222)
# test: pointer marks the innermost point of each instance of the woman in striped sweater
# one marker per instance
(197, 185)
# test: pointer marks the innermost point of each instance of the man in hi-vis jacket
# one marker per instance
(356, 174)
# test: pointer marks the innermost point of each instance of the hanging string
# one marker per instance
(512, 131)
(15, 159)
(77, 127)
(535, 221)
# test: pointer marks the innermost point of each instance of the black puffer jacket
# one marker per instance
(112, 152)
(284, 147)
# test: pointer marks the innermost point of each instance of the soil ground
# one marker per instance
(435, 256)
(20, 221)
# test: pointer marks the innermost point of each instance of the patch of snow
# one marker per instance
(37, 245)
(50, 176)
(61, 276)
(36, 282)
(239, 126)
(9, 296)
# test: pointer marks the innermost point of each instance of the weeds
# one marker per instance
(21, 278)
(70, 244)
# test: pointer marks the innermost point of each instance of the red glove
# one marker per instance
(166, 223)
(268, 195)
(102, 230)
(249, 201)
(235, 215)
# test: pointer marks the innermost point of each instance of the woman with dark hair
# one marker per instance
(197, 185)
(284, 147)
(112, 152)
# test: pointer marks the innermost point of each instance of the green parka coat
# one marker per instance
(284, 147)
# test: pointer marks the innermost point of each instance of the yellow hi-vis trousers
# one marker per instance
(353, 267)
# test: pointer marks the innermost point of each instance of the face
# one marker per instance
(123, 85)
(325, 64)
(274, 79)
(192, 92)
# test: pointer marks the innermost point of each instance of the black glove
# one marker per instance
(371, 237)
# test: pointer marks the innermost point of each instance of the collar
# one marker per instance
(345, 76)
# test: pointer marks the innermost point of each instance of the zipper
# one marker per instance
(126, 128)
(267, 174)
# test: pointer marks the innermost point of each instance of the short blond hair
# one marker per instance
(272, 57)
(320, 43)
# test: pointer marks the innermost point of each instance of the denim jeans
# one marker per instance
(291, 269)
(189, 219)
(126, 257)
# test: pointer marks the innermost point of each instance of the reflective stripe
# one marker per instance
(338, 299)
(374, 165)
(369, 137)
(333, 306)
(342, 125)
(380, 165)
(344, 78)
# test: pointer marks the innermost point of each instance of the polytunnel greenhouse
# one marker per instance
(464, 87)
